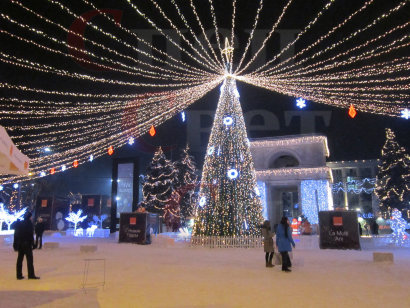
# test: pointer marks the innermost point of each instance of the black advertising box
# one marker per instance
(339, 230)
(44, 207)
(133, 228)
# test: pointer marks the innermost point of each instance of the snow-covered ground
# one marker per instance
(180, 276)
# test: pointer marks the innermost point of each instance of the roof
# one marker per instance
(290, 140)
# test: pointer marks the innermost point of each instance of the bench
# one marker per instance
(51, 245)
(88, 248)
(383, 257)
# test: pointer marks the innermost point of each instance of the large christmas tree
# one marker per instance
(158, 184)
(228, 204)
(185, 183)
(393, 177)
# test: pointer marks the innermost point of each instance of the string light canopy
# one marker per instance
(355, 63)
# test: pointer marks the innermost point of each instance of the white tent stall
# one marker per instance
(12, 161)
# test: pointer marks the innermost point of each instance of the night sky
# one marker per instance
(349, 139)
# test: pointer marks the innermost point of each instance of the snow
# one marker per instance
(168, 274)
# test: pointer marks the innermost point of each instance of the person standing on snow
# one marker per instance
(268, 243)
(23, 243)
(39, 229)
(284, 241)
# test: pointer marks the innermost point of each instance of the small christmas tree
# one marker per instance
(159, 183)
(185, 183)
(172, 216)
(393, 177)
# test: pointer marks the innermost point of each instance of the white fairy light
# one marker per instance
(82, 132)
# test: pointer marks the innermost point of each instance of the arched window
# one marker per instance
(258, 119)
(284, 161)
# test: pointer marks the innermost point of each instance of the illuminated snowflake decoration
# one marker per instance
(405, 114)
(42, 173)
(183, 116)
(232, 174)
(131, 140)
(63, 167)
(91, 157)
(301, 103)
(228, 121)
(202, 201)
(211, 150)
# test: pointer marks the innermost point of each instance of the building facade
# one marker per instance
(353, 186)
(292, 175)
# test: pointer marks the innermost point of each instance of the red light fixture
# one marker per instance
(352, 111)
(152, 131)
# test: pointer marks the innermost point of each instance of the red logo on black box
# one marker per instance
(338, 221)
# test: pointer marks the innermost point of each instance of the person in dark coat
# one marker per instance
(284, 241)
(360, 229)
(268, 243)
(375, 228)
(39, 230)
(23, 243)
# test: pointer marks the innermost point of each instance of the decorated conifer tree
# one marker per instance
(172, 213)
(185, 183)
(229, 202)
(393, 177)
(159, 183)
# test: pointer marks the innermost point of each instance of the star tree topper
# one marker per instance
(228, 51)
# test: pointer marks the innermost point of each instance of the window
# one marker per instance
(365, 172)
(284, 161)
(337, 175)
(258, 120)
(352, 172)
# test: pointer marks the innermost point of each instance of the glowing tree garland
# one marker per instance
(158, 185)
(338, 70)
(229, 202)
(185, 184)
(393, 177)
